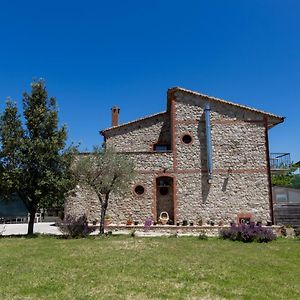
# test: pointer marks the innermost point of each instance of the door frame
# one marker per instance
(174, 199)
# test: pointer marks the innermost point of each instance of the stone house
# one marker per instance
(203, 158)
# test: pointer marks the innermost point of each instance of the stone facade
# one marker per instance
(241, 175)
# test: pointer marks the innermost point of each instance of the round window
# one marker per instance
(164, 190)
(187, 139)
(139, 190)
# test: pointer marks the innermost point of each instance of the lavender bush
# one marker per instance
(147, 224)
(248, 233)
(75, 227)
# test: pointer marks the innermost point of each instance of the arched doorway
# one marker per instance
(164, 197)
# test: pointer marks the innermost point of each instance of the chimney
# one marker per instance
(115, 116)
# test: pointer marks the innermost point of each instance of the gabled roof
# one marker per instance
(278, 119)
(218, 100)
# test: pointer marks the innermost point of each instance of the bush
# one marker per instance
(297, 232)
(75, 226)
(248, 233)
(202, 236)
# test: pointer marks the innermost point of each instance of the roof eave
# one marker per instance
(179, 89)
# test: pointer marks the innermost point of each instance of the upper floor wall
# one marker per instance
(238, 133)
(142, 135)
(238, 136)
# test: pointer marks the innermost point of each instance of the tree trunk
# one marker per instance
(102, 218)
(31, 221)
(103, 213)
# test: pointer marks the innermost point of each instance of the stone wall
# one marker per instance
(240, 177)
(141, 135)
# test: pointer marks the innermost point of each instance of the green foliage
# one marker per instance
(104, 171)
(202, 236)
(33, 160)
(289, 179)
(75, 227)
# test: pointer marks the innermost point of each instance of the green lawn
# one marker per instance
(148, 268)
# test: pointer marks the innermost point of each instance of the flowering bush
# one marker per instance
(248, 233)
(75, 227)
(147, 224)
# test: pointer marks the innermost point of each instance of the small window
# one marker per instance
(164, 190)
(139, 190)
(187, 139)
(161, 147)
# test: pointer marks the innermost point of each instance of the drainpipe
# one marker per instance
(208, 142)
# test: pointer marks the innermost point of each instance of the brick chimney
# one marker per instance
(115, 110)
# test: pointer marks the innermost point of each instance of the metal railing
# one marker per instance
(280, 161)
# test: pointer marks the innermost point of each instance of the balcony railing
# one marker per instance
(280, 161)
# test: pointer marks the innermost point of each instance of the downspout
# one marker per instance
(208, 142)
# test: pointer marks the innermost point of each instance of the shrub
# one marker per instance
(202, 236)
(75, 226)
(147, 224)
(132, 233)
(248, 233)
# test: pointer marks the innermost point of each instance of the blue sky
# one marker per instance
(96, 54)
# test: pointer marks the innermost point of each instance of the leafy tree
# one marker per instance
(104, 171)
(288, 179)
(34, 163)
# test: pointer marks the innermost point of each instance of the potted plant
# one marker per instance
(107, 220)
(129, 222)
(184, 223)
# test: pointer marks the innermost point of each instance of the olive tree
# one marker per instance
(105, 172)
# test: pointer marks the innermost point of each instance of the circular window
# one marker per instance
(164, 190)
(187, 139)
(139, 190)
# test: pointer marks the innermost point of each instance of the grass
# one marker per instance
(148, 268)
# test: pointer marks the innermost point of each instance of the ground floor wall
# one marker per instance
(228, 197)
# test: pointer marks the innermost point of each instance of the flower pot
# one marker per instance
(106, 222)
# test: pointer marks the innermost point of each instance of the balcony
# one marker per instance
(280, 162)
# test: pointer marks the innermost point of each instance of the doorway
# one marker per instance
(164, 197)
